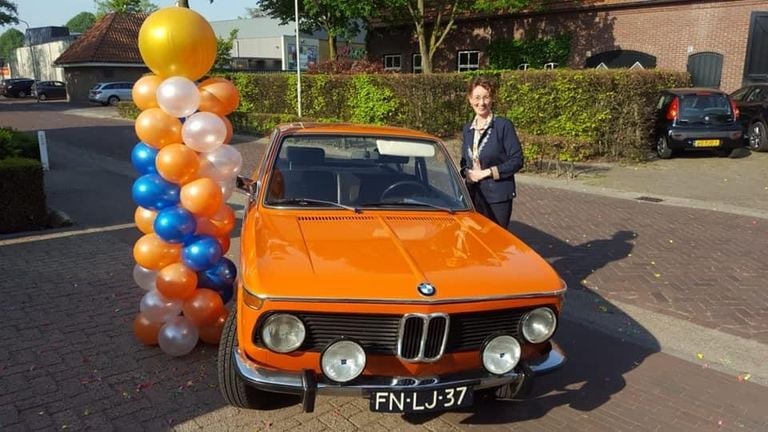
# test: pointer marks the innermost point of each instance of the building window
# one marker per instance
(416, 63)
(469, 61)
(392, 62)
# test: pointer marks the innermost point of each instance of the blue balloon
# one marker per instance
(201, 252)
(220, 278)
(143, 158)
(154, 192)
(175, 224)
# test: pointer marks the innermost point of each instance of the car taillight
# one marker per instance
(674, 109)
(735, 109)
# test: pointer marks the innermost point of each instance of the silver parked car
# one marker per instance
(110, 93)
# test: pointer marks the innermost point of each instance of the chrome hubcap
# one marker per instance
(756, 136)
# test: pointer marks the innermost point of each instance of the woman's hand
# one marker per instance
(475, 175)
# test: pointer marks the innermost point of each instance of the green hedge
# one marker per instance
(18, 144)
(22, 196)
(570, 115)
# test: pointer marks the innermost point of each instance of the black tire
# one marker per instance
(233, 388)
(758, 137)
(21, 94)
(113, 100)
(662, 148)
(43, 97)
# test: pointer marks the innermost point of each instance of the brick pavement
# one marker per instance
(70, 361)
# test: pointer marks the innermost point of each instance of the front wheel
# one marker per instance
(113, 100)
(662, 148)
(758, 137)
(43, 97)
(22, 94)
(233, 388)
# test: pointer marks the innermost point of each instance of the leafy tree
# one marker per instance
(338, 18)
(8, 13)
(9, 41)
(224, 50)
(104, 7)
(432, 20)
(81, 22)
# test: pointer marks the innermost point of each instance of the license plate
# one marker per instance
(706, 143)
(407, 401)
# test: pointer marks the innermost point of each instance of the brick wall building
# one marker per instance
(720, 42)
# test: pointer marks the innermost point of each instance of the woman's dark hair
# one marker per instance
(480, 81)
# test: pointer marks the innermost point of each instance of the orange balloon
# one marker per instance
(177, 163)
(230, 130)
(145, 330)
(145, 220)
(206, 227)
(176, 281)
(211, 333)
(202, 196)
(225, 243)
(223, 220)
(204, 307)
(144, 91)
(158, 128)
(153, 253)
(218, 95)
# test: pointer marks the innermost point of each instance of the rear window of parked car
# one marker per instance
(694, 107)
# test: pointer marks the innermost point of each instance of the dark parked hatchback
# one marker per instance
(45, 90)
(17, 87)
(753, 104)
(696, 119)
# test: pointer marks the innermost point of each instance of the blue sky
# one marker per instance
(40, 13)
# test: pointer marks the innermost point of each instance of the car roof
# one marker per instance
(310, 128)
(693, 90)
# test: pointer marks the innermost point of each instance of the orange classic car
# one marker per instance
(366, 271)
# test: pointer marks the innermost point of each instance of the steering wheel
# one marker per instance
(403, 186)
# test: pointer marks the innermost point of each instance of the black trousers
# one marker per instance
(499, 212)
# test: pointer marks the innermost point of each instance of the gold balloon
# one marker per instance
(177, 41)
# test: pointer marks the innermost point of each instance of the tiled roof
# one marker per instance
(113, 39)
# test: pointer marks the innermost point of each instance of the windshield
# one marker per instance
(705, 108)
(364, 172)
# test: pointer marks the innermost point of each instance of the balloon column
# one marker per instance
(187, 171)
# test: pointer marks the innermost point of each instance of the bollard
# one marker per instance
(43, 144)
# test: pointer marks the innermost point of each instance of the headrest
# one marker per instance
(305, 155)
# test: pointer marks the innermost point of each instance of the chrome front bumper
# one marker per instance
(308, 385)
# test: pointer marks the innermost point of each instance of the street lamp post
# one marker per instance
(31, 50)
(298, 56)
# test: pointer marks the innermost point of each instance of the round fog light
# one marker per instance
(501, 354)
(343, 361)
(539, 324)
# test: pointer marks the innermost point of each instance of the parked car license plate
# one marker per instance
(706, 143)
(421, 400)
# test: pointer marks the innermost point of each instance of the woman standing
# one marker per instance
(490, 155)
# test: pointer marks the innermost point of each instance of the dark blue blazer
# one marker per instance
(503, 151)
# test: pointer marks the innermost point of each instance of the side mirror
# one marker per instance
(247, 185)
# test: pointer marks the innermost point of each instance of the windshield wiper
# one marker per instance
(409, 202)
(306, 201)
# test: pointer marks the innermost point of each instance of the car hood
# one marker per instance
(384, 256)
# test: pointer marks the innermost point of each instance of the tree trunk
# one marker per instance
(331, 47)
(426, 55)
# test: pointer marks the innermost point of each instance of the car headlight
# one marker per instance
(501, 354)
(283, 333)
(538, 325)
(343, 361)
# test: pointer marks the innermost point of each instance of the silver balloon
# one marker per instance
(144, 277)
(178, 96)
(178, 336)
(227, 187)
(204, 132)
(159, 309)
(226, 161)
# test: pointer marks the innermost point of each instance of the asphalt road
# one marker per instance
(666, 322)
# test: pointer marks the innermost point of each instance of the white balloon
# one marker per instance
(226, 161)
(178, 336)
(159, 309)
(144, 277)
(204, 132)
(178, 96)
(227, 187)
